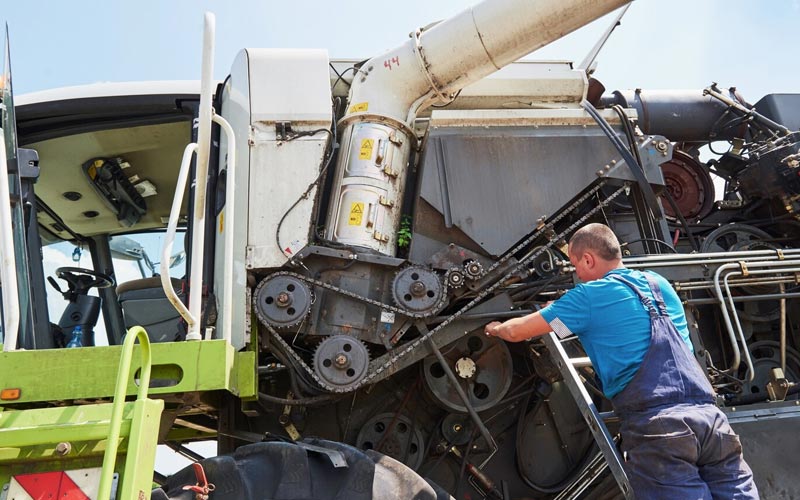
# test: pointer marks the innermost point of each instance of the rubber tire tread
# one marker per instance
(285, 471)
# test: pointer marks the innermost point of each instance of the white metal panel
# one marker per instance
(289, 84)
(235, 109)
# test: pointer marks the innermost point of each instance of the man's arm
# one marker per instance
(519, 329)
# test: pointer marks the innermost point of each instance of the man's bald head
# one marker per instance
(599, 239)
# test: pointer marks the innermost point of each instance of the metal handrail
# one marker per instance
(230, 186)
(169, 237)
(115, 425)
(201, 177)
(8, 270)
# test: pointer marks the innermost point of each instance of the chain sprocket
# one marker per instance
(385, 365)
(418, 289)
(282, 301)
(341, 361)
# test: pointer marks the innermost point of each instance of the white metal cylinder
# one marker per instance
(366, 210)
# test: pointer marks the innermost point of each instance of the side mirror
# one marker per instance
(177, 259)
(126, 248)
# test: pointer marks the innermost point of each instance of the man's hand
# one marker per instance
(518, 329)
(491, 328)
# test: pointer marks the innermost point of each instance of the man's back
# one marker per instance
(612, 323)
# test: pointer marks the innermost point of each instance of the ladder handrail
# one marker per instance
(110, 456)
(201, 176)
(8, 270)
(228, 213)
(169, 237)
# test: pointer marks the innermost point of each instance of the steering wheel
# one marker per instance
(81, 279)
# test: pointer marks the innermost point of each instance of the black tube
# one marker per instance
(325, 398)
(680, 115)
(758, 397)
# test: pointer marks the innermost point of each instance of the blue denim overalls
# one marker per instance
(678, 444)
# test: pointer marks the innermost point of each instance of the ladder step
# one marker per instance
(580, 362)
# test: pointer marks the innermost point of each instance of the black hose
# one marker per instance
(324, 398)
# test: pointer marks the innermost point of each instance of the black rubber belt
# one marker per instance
(630, 161)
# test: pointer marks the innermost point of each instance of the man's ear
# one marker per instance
(589, 259)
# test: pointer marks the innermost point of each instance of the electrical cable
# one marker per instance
(264, 398)
(324, 168)
(667, 245)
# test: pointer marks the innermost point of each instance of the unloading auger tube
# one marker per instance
(389, 90)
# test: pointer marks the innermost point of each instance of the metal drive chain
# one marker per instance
(399, 353)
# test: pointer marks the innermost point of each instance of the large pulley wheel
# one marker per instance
(282, 301)
(419, 290)
(737, 237)
(393, 435)
(690, 186)
(766, 356)
(341, 361)
(483, 367)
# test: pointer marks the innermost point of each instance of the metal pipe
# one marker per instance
(201, 177)
(751, 372)
(681, 115)
(736, 283)
(740, 255)
(736, 353)
(8, 271)
(783, 328)
(724, 308)
(169, 238)
(228, 213)
(749, 298)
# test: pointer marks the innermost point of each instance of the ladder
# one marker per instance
(593, 418)
(55, 451)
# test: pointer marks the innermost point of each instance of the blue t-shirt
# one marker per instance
(612, 324)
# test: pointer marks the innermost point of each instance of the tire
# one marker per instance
(287, 471)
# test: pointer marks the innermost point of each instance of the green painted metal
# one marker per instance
(145, 412)
(90, 372)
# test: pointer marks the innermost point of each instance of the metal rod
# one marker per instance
(737, 355)
(783, 329)
(739, 255)
(750, 298)
(201, 177)
(228, 213)
(751, 372)
(169, 237)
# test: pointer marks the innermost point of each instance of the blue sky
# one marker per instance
(676, 44)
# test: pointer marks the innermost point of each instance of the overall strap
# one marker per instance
(647, 302)
(655, 289)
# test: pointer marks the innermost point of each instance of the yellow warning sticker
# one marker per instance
(356, 213)
(359, 107)
(365, 153)
(221, 222)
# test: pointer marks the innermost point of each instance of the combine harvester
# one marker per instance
(315, 268)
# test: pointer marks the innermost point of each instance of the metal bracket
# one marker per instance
(743, 267)
(336, 457)
(778, 386)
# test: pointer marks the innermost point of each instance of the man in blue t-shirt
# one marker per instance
(677, 442)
